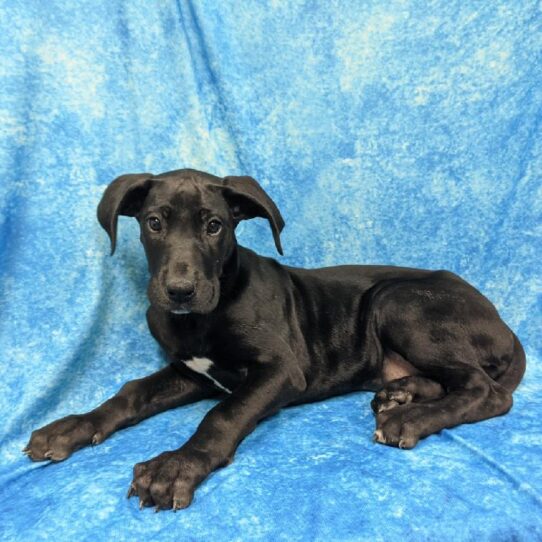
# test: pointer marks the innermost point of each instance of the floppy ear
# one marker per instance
(124, 196)
(247, 199)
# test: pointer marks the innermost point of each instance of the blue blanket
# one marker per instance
(405, 133)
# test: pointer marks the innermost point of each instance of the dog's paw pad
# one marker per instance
(402, 397)
(386, 399)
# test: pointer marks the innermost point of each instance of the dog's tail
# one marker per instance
(511, 378)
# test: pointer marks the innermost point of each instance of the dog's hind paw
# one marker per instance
(406, 390)
(387, 399)
(395, 427)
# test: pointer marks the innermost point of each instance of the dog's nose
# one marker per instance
(181, 291)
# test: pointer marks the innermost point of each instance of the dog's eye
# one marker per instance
(214, 227)
(154, 223)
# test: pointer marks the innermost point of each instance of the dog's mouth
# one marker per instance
(183, 308)
(180, 311)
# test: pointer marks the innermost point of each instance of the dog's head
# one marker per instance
(187, 220)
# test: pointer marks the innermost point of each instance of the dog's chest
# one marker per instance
(215, 375)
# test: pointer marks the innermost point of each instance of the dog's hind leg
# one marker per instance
(136, 400)
(449, 333)
(471, 396)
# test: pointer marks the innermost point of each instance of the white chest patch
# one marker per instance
(204, 366)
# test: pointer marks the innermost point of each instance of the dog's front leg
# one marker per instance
(137, 400)
(169, 480)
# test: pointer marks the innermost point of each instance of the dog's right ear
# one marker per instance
(124, 196)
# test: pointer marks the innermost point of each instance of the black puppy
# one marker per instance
(260, 336)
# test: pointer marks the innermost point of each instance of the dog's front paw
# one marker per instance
(58, 440)
(167, 481)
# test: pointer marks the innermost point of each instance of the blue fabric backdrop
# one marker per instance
(405, 132)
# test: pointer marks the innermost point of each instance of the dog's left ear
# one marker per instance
(124, 196)
(247, 199)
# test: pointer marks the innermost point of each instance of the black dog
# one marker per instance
(262, 336)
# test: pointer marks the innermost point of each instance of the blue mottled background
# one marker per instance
(404, 132)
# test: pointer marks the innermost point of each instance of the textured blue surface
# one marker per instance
(405, 132)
